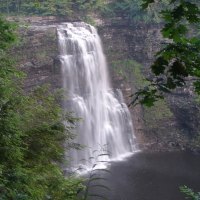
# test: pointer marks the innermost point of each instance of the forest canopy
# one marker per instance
(48, 7)
(126, 9)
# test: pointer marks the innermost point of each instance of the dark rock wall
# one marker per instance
(37, 56)
(172, 124)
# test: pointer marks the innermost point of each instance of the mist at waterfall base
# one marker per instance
(105, 128)
(150, 176)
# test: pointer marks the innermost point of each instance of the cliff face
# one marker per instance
(170, 125)
(37, 53)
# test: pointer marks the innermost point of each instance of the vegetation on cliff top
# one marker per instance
(128, 10)
(49, 7)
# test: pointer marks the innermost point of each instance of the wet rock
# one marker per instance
(28, 65)
(168, 126)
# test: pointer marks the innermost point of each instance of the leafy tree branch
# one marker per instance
(179, 60)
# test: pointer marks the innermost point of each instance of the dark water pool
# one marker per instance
(152, 176)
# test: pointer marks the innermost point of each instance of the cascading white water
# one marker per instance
(105, 119)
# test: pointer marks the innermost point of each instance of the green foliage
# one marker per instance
(127, 9)
(31, 136)
(178, 62)
(50, 7)
(190, 194)
(88, 19)
(153, 115)
(45, 8)
(131, 10)
(131, 71)
(83, 5)
(6, 35)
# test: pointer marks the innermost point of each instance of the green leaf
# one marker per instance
(159, 66)
(146, 3)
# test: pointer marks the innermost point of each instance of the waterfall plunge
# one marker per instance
(106, 124)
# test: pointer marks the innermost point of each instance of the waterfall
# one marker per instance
(105, 124)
